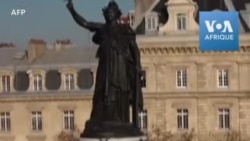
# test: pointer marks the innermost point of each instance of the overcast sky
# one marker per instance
(50, 20)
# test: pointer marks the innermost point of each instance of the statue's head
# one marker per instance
(112, 11)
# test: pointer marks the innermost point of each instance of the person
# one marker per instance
(119, 66)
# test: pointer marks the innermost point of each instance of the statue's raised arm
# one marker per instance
(92, 26)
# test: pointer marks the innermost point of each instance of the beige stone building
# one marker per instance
(48, 89)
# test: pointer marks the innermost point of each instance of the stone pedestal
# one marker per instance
(139, 138)
(111, 131)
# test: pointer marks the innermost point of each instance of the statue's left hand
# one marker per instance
(69, 5)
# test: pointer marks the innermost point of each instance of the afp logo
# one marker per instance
(219, 31)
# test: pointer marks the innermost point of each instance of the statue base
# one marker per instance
(96, 130)
(139, 138)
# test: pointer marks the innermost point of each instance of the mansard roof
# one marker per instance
(81, 57)
(7, 55)
(84, 57)
(204, 5)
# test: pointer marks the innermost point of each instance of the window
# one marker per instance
(5, 121)
(182, 118)
(5, 83)
(151, 22)
(68, 120)
(181, 22)
(37, 82)
(224, 118)
(36, 121)
(181, 76)
(69, 81)
(223, 81)
(143, 120)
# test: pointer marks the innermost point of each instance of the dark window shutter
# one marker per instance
(21, 81)
(53, 80)
(85, 79)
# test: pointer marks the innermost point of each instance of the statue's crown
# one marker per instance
(112, 5)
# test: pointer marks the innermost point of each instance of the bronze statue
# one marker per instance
(118, 74)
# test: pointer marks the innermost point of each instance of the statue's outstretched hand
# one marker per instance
(69, 4)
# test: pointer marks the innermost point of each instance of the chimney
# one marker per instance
(63, 44)
(7, 45)
(36, 49)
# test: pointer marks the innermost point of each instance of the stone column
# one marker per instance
(11, 83)
(62, 80)
(31, 83)
(75, 75)
(43, 74)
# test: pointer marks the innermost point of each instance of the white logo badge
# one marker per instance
(223, 27)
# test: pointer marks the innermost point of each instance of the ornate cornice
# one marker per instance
(198, 94)
(153, 50)
(87, 96)
(181, 44)
(156, 50)
(45, 96)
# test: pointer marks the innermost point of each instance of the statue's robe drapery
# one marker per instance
(116, 73)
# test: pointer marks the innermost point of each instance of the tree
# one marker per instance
(73, 135)
(160, 133)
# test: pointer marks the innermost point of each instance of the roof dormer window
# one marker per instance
(151, 22)
(69, 81)
(181, 22)
(6, 83)
(37, 82)
(181, 19)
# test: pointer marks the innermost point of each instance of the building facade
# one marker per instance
(46, 90)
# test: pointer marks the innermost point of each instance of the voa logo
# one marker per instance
(219, 31)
